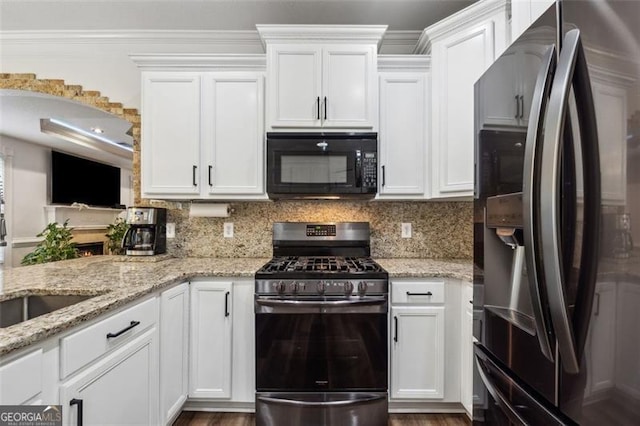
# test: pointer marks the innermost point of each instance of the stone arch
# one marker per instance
(92, 98)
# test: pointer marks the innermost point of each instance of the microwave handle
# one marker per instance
(358, 169)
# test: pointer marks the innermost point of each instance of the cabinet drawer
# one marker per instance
(417, 292)
(21, 380)
(88, 344)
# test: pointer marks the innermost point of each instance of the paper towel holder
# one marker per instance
(210, 210)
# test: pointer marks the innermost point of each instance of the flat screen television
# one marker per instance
(76, 180)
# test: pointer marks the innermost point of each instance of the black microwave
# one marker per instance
(322, 165)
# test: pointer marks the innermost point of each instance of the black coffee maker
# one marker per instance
(147, 233)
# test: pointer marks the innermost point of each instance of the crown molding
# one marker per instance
(475, 13)
(409, 63)
(132, 36)
(191, 37)
(199, 62)
(353, 34)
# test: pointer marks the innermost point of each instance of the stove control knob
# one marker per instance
(362, 288)
(348, 287)
(281, 287)
(321, 287)
(294, 287)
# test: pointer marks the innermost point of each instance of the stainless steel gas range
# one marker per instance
(321, 308)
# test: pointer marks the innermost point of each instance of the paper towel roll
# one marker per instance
(209, 210)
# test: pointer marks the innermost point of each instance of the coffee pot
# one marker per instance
(146, 235)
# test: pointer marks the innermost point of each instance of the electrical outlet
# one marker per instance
(406, 230)
(171, 230)
(228, 229)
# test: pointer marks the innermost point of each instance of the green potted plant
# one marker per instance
(115, 233)
(56, 245)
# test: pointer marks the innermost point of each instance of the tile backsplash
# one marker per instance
(441, 230)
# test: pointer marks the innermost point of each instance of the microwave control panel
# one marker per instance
(369, 170)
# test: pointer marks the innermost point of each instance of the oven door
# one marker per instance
(320, 165)
(321, 345)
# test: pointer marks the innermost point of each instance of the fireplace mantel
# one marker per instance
(82, 217)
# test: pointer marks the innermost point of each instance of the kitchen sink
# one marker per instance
(19, 309)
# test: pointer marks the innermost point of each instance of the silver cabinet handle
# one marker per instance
(521, 106)
(596, 311)
(517, 107)
(572, 70)
(531, 199)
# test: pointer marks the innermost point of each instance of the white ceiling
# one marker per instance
(22, 111)
(219, 14)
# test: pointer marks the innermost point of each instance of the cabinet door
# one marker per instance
(611, 115)
(602, 338)
(348, 86)
(628, 339)
(120, 389)
(210, 369)
(466, 369)
(294, 86)
(403, 118)
(21, 380)
(174, 351)
(458, 61)
(244, 356)
(417, 354)
(234, 133)
(170, 134)
(498, 91)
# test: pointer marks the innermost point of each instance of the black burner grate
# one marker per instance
(321, 264)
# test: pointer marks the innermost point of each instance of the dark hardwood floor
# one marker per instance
(193, 418)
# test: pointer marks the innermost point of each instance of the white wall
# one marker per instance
(27, 190)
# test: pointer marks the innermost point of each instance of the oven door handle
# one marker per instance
(365, 304)
(324, 303)
(342, 403)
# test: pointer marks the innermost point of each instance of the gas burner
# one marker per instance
(321, 264)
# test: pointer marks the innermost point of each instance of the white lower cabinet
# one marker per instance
(466, 348)
(417, 340)
(243, 364)
(210, 360)
(174, 351)
(120, 389)
(21, 379)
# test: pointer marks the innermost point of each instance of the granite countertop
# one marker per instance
(118, 280)
(113, 281)
(461, 269)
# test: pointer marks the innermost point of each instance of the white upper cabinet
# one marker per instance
(404, 83)
(234, 133)
(508, 102)
(202, 132)
(524, 13)
(294, 88)
(170, 133)
(321, 76)
(348, 86)
(462, 47)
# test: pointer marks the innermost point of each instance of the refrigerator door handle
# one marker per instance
(572, 69)
(531, 197)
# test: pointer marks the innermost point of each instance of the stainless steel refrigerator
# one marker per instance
(557, 204)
